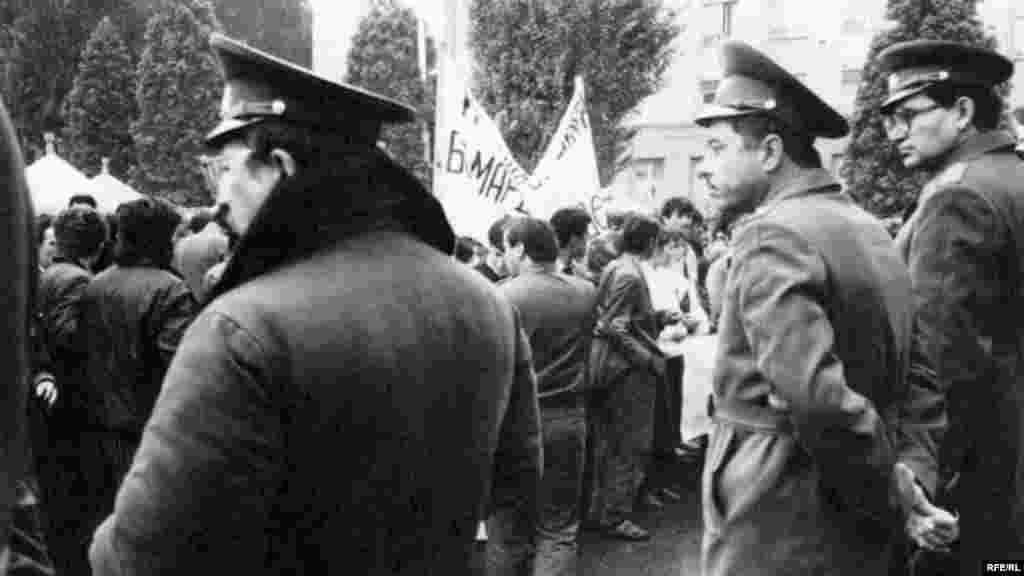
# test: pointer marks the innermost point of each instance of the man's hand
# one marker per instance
(927, 525)
(46, 389)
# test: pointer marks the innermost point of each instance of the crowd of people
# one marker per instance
(321, 377)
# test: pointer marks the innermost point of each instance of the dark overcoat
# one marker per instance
(816, 311)
(964, 246)
(339, 414)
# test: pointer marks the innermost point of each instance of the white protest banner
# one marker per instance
(567, 172)
(476, 178)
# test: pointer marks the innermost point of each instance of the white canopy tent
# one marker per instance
(109, 191)
(52, 181)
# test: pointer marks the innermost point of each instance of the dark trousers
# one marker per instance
(622, 432)
(565, 436)
(68, 470)
(668, 408)
(549, 547)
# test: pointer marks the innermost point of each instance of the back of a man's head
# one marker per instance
(536, 237)
(145, 232)
(569, 223)
(80, 232)
(638, 233)
(496, 233)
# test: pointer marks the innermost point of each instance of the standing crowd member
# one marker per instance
(555, 309)
(572, 229)
(626, 365)
(492, 266)
(132, 316)
(203, 247)
(964, 247)
(66, 451)
(813, 342)
(348, 328)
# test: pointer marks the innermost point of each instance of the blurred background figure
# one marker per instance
(46, 242)
(86, 200)
(468, 251)
(492, 266)
(203, 246)
(132, 317)
(572, 228)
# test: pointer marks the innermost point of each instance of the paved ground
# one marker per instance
(673, 551)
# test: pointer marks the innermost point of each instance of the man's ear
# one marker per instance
(965, 113)
(283, 160)
(772, 151)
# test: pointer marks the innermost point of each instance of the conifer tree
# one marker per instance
(383, 58)
(872, 170)
(178, 88)
(101, 104)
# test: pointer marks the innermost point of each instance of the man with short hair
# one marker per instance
(342, 332)
(813, 342)
(572, 228)
(555, 309)
(67, 463)
(963, 246)
(492, 265)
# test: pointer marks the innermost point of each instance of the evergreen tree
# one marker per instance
(528, 54)
(101, 105)
(383, 58)
(178, 88)
(872, 170)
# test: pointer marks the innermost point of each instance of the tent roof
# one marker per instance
(109, 191)
(53, 181)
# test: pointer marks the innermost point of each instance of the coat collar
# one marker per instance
(978, 144)
(808, 182)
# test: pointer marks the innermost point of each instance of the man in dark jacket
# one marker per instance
(492, 266)
(65, 451)
(132, 315)
(963, 246)
(813, 343)
(555, 309)
(344, 402)
(626, 366)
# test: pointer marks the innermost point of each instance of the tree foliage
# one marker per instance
(872, 170)
(383, 58)
(101, 105)
(177, 93)
(528, 53)
(281, 27)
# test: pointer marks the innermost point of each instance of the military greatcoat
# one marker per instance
(816, 314)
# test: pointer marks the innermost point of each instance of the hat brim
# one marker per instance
(227, 128)
(710, 114)
(900, 95)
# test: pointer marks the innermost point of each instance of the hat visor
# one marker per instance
(712, 113)
(899, 96)
(227, 128)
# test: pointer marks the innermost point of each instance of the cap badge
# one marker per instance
(278, 107)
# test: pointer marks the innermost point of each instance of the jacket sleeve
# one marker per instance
(174, 312)
(956, 274)
(781, 283)
(616, 316)
(61, 320)
(200, 486)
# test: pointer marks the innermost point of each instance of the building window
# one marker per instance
(707, 91)
(851, 76)
(648, 170)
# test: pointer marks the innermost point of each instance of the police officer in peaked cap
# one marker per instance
(963, 246)
(813, 337)
(344, 400)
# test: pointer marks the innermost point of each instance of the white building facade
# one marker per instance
(823, 42)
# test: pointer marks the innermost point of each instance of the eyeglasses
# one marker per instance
(903, 118)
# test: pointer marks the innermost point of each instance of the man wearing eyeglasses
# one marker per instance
(964, 247)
